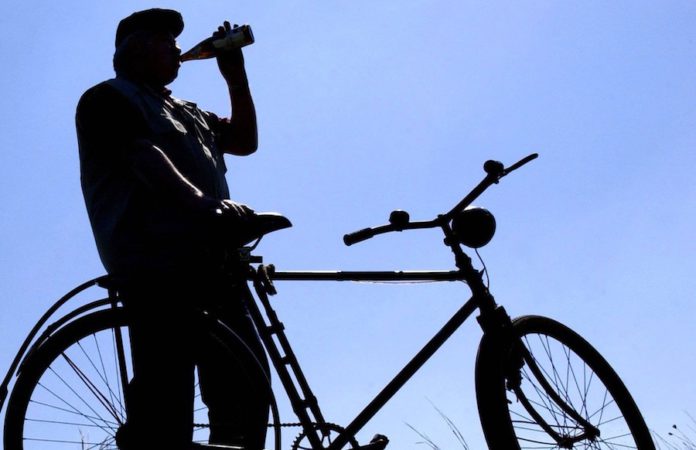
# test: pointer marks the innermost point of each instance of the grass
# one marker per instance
(426, 440)
(678, 439)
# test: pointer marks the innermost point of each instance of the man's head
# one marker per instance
(146, 46)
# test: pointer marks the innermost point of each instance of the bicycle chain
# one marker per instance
(302, 435)
(281, 425)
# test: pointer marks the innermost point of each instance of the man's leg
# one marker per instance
(160, 396)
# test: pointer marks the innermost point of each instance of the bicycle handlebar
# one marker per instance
(495, 170)
(367, 233)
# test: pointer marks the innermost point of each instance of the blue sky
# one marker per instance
(369, 106)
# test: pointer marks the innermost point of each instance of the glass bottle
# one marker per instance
(238, 37)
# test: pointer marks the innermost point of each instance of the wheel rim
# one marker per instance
(578, 386)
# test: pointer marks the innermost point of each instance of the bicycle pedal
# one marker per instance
(379, 442)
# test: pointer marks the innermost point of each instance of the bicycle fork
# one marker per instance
(517, 357)
(520, 357)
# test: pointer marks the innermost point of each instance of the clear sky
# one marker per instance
(368, 106)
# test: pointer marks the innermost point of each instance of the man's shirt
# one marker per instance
(139, 232)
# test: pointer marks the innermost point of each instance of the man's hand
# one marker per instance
(232, 223)
(220, 211)
(235, 210)
(230, 62)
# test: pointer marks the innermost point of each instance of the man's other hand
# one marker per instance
(230, 62)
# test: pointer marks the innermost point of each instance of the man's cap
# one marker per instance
(155, 19)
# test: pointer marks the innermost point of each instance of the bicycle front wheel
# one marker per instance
(548, 388)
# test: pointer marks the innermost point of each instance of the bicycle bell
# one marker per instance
(474, 227)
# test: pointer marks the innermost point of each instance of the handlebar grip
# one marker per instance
(358, 236)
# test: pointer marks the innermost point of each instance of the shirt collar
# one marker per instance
(162, 91)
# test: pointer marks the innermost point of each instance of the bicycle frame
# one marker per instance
(303, 402)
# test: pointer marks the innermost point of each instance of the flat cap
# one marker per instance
(155, 19)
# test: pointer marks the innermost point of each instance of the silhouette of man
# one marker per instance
(152, 173)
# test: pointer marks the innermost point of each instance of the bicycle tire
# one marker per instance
(509, 392)
(68, 394)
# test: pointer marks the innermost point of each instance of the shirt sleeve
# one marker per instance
(107, 125)
(217, 125)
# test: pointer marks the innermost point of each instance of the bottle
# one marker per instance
(238, 37)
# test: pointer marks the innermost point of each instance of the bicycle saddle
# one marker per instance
(261, 224)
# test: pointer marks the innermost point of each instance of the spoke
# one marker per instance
(612, 445)
(547, 349)
(544, 443)
(108, 444)
(582, 392)
(114, 399)
(543, 401)
(117, 371)
(65, 441)
(536, 429)
(110, 403)
(561, 389)
(62, 422)
(94, 419)
(74, 412)
(92, 388)
(604, 405)
(587, 384)
(524, 419)
(600, 410)
(544, 406)
(611, 420)
(618, 445)
(543, 340)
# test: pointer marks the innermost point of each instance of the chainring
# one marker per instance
(326, 430)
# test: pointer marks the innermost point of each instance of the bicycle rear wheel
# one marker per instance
(548, 388)
(69, 394)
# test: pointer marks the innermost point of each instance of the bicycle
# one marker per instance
(538, 383)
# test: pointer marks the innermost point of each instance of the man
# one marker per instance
(153, 178)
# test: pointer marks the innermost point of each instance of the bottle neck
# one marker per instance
(202, 50)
